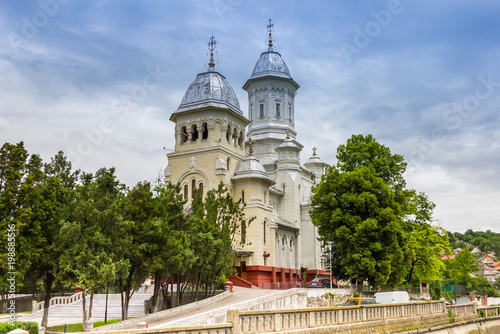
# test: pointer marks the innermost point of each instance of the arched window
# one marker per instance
(194, 132)
(265, 197)
(291, 242)
(235, 137)
(201, 188)
(278, 110)
(193, 188)
(243, 196)
(204, 127)
(184, 135)
(261, 110)
(228, 133)
(283, 241)
(228, 161)
(186, 188)
(243, 231)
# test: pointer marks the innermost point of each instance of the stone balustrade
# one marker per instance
(463, 311)
(378, 318)
(37, 306)
(488, 311)
(275, 321)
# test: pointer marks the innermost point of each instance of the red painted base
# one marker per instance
(267, 277)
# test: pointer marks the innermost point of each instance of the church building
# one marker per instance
(257, 156)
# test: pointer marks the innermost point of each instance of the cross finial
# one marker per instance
(314, 151)
(270, 26)
(211, 48)
(250, 146)
(287, 133)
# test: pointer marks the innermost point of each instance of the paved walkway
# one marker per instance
(239, 295)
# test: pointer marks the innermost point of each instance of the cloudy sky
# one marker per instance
(99, 80)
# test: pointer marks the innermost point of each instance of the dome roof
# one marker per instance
(210, 89)
(251, 167)
(315, 160)
(288, 144)
(270, 63)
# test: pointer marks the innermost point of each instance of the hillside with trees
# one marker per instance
(488, 241)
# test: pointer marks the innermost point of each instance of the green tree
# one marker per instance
(176, 255)
(425, 242)
(497, 283)
(484, 288)
(360, 206)
(14, 169)
(34, 198)
(144, 235)
(85, 239)
(459, 270)
(49, 200)
(214, 221)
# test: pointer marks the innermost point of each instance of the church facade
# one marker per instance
(258, 159)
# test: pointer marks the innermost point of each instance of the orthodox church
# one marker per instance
(257, 156)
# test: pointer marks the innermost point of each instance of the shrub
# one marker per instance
(451, 316)
(31, 327)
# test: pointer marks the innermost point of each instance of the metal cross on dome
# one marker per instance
(211, 48)
(270, 26)
(250, 146)
(314, 151)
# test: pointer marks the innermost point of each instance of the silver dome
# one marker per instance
(210, 89)
(270, 64)
(250, 167)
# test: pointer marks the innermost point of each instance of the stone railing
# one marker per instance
(37, 306)
(462, 311)
(275, 321)
(374, 318)
(489, 311)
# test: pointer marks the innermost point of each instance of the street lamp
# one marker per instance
(330, 248)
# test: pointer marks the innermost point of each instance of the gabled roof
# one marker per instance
(486, 258)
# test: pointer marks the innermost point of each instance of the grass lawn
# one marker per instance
(71, 328)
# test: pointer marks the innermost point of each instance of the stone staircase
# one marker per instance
(135, 309)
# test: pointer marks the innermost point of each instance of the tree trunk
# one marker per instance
(178, 290)
(216, 283)
(413, 263)
(91, 303)
(206, 287)
(84, 307)
(128, 294)
(197, 286)
(125, 307)
(121, 295)
(172, 295)
(48, 290)
(164, 292)
(153, 305)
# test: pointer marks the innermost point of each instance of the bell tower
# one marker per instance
(271, 94)
(209, 133)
